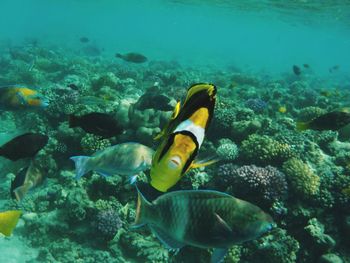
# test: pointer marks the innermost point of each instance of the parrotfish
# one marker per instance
(333, 121)
(132, 57)
(97, 123)
(26, 179)
(202, 218)
(23, 146)
(8, 221)
(123, 159)
(15, 98)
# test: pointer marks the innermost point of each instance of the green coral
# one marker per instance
(91, 143)
(228, 150)
(277, 247)
(301, 178)
(321, 241)
(263, 150)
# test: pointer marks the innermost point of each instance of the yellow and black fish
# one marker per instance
(14, 98)
(8, 221)
(333, 121)
(199, 104)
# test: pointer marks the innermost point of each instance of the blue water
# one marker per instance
(255, 36)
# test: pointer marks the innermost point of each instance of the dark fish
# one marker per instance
(23, 146)
(330, 121)
(96, 123)
(202, 218)
(92, 50)
(306, 65)
(334, 68)
(296, 70)
(132, 57)
(153, 101)
(73, 86)
(84, 40)
(26, 179)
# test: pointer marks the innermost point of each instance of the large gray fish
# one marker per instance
(202, 218)
(125, 159)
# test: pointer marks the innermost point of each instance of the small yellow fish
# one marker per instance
(13, 97)
(8, 221)
(282, 109)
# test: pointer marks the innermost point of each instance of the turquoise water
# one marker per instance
(258, 35)
(262, 153)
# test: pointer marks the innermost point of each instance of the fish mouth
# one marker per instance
(175, 161)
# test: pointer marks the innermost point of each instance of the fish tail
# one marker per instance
(302, 126)
(142, 209)
(119, 55)
(21, 191)
(81, 165)
(8, 221)
(73, 121)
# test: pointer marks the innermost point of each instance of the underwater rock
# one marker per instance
(321, 241)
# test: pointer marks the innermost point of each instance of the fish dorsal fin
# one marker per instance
(167, 241)
(173, 117)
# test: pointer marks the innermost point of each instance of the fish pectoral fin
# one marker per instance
(218, 255)
(165, 239)
(103, 173)
(222, 223)
(221, 230)
(203, 163)
(20, 98)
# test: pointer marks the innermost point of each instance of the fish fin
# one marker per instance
(221, 230)
(142, 206)
(203, 163)
(223, 223)
(21, 191)
(302, 126)
(173, 116)
(103, 173)
(8, 221)
(218, 255)
(20, 98)
(118, 55)
(165, 239)
(72, 121)
(81, 166)
(133, 179)
(176, 110)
